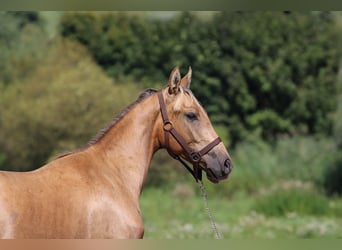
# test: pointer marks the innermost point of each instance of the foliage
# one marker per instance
(23, 43)
(2, 159)
(262, 73)
(119, 43)
(333, 176)
(286, 67)
(282, 202)
(38, 115)
(338, 120)
(258, 165)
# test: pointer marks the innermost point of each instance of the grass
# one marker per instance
(292, 200)
(273, 192)
(179, 213)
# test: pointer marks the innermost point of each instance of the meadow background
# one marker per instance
(270, 81)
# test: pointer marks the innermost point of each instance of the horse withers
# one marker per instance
(94, 191)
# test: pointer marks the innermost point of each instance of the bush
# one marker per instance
(2, 159)
(59, 108)
(23, 44)
(283, 202)
(338, 120)
(258, 165)
(333, 177)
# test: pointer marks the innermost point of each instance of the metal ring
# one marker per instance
(168, 126)
(195, 157)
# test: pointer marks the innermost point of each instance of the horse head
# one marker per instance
(188, 132)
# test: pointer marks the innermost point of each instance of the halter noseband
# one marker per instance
(194, 156)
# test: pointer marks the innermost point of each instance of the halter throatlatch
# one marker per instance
(194, 156)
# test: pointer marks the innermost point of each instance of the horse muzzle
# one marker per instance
(217, 171)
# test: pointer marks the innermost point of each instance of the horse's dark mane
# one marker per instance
(112, 123)
(104, 131)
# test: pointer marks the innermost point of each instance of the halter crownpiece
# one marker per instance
(194, 156)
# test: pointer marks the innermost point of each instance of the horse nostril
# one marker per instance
(227, 166)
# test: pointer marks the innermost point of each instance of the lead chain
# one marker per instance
(218, 235)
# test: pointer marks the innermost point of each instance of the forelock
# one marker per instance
(185, 98)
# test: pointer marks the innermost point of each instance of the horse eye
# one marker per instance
(191, 116)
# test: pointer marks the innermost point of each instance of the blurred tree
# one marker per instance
(333, 176)
(260, 73)
(333, 173)
(119, 43)
(338, 118)
(38, 115)
(278, 71)
(22, 44)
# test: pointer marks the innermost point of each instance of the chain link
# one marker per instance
(218, 235)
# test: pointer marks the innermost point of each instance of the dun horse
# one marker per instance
(94, 192)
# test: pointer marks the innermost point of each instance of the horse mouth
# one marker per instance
(214, 178)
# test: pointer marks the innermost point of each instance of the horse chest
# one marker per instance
(107, 218)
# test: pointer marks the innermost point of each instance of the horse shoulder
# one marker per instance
(6, 222)
(109, 217)
(109, 211)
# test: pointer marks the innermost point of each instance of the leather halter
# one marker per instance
(194, 156)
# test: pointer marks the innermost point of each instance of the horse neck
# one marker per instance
(127, 148)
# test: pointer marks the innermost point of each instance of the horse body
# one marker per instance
(93, 192)
(57, 202)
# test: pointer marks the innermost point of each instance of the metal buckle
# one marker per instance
(195, 157)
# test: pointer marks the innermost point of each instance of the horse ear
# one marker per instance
(186, 80)
(174, 81)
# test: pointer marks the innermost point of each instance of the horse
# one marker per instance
(94, 191)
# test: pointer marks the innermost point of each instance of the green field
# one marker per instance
(273, 192)
(179, 213)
